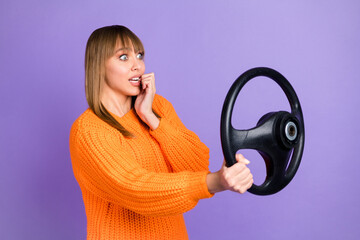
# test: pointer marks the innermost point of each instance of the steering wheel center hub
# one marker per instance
(291, 131)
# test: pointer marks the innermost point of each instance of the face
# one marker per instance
(123, 71)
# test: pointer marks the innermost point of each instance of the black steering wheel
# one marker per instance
(277, 135)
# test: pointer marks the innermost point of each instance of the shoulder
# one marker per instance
(88, 124)
(161, 101)
(161, 105)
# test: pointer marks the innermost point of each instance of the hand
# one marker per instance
(237, 178)
(143, 102)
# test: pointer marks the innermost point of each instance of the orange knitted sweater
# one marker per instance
(138, 188)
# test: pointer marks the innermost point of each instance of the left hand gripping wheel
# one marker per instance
(275, 137)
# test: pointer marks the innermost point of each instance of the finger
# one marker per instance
(247, 180)
(240, 158)
(243, 186)
(244, 161)
(148, 76)
(145, 83)
(236, 169)
(242, 176)
(149, 79)
(249, 185)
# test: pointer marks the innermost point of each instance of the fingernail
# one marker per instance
(247, 161)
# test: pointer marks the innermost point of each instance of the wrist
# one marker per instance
(213, 182)
(150, 119)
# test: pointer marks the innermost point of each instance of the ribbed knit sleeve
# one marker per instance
(182, 147)
(104, 167)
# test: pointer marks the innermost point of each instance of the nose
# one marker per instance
(136, 64)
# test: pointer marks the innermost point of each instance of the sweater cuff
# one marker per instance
(201, 190)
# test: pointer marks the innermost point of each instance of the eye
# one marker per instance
(140, 55)
(123, 57)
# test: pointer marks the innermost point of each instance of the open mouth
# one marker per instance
(134, 79)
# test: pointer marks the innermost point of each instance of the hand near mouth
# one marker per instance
(143, 103)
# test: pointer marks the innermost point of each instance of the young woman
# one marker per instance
(139, 168)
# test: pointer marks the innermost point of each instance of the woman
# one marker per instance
(139, 168)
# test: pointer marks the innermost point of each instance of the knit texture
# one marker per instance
(138, 188)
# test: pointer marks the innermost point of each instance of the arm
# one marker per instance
(181, 147)
(185, 151)
(102, 166)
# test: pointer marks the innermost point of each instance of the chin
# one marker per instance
(135, 93)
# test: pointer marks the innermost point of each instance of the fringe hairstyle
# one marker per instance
(99, 48)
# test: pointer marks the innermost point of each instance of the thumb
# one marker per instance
(241, 159)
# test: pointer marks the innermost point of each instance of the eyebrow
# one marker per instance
(123, 48)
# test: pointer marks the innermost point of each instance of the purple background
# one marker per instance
(196, 49)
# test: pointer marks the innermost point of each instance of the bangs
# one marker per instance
(111, 37)
(129, 39)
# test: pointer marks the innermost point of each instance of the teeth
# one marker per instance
(135, 79)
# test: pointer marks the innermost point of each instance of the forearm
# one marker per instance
(151, 120)
(181, 147)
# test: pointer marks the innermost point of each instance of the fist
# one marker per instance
(238, 177)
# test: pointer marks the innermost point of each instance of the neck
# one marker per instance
(115, 103)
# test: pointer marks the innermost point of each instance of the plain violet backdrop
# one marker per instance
(196, 49)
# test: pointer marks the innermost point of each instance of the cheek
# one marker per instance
(114, 74)
(142, 67)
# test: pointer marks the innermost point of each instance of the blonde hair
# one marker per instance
(99, 48)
